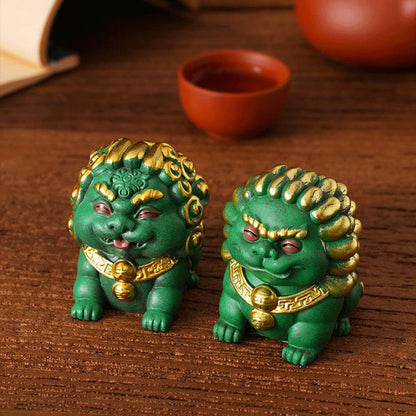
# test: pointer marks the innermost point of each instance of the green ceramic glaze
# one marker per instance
(139, 204)
(292, 251)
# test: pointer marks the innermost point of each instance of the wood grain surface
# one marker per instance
(356, 125)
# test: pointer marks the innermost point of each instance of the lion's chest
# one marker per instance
(282, 322)
(138, 302)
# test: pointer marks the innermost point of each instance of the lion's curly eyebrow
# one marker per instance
(103, 190)
(146, 196)
(299, 233)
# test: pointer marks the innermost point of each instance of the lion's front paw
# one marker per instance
(299, 356)
(87, 310)
(227, 333)
(157, 321)
(342, 327)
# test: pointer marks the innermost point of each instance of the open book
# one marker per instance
(27, 55)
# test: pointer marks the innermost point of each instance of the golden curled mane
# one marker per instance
(328, 206)
(188, 188)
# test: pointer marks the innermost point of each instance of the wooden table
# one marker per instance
(355, 125)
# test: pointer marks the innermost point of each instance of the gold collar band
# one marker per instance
(125, 272)
(265, 301)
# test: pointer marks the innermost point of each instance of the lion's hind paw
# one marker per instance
(342, 327)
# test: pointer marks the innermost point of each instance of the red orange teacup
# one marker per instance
(233, 93)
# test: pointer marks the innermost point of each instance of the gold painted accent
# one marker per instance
(261, 320)
(352, 209)
(302, 234)
(195, 239)
(193, 210)
(103, 190)
(340, 285)
(343, 267)
(342, 188)
(124, 291)
(201, 185)
(345, 202)
(117, 151)
(185, 188)
(328, 209)
(235, 198)
(260, 183)
(293, 189)
(335, 229)
(309, 178)
(124, 271)
(342, 249)
(154, 157)
(121, 270)
(329, 186)
(274, 234)
(282, 233)
(276, 185)
(291, 233)
(75, 195)
(293, 173)
(311, 197)
(285, 304)
(84, 175)
(225, 254)
(71, 227)
(264, 297)
(137, 151)
(278, 169)
(262, 232)
(357, 226)
(169, 152)
(146, 196)
(173, 170)
(96, 161)
(188, 168)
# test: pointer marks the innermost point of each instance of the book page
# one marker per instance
(25, 27)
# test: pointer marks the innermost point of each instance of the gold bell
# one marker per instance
(123, 291)
(124, 271)
(261, 320)
(264, 300)
(263, 297)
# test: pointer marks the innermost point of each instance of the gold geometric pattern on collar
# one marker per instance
(132, 274)
(275, 304)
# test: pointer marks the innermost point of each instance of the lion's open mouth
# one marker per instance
(121, 244)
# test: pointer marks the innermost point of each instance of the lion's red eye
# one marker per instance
(291, 246)
(101, 207)
(250, 233)
(147, 213)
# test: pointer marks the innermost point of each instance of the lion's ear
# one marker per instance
(200, 189)
(78, 193)
(231, 213)
(225, 253)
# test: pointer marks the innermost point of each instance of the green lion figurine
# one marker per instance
(292, 251)
(138, 214)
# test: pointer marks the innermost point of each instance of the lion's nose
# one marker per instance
(272, 253)
(120, 224)
(266, 251)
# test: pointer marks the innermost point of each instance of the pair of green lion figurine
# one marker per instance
(291, 247)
